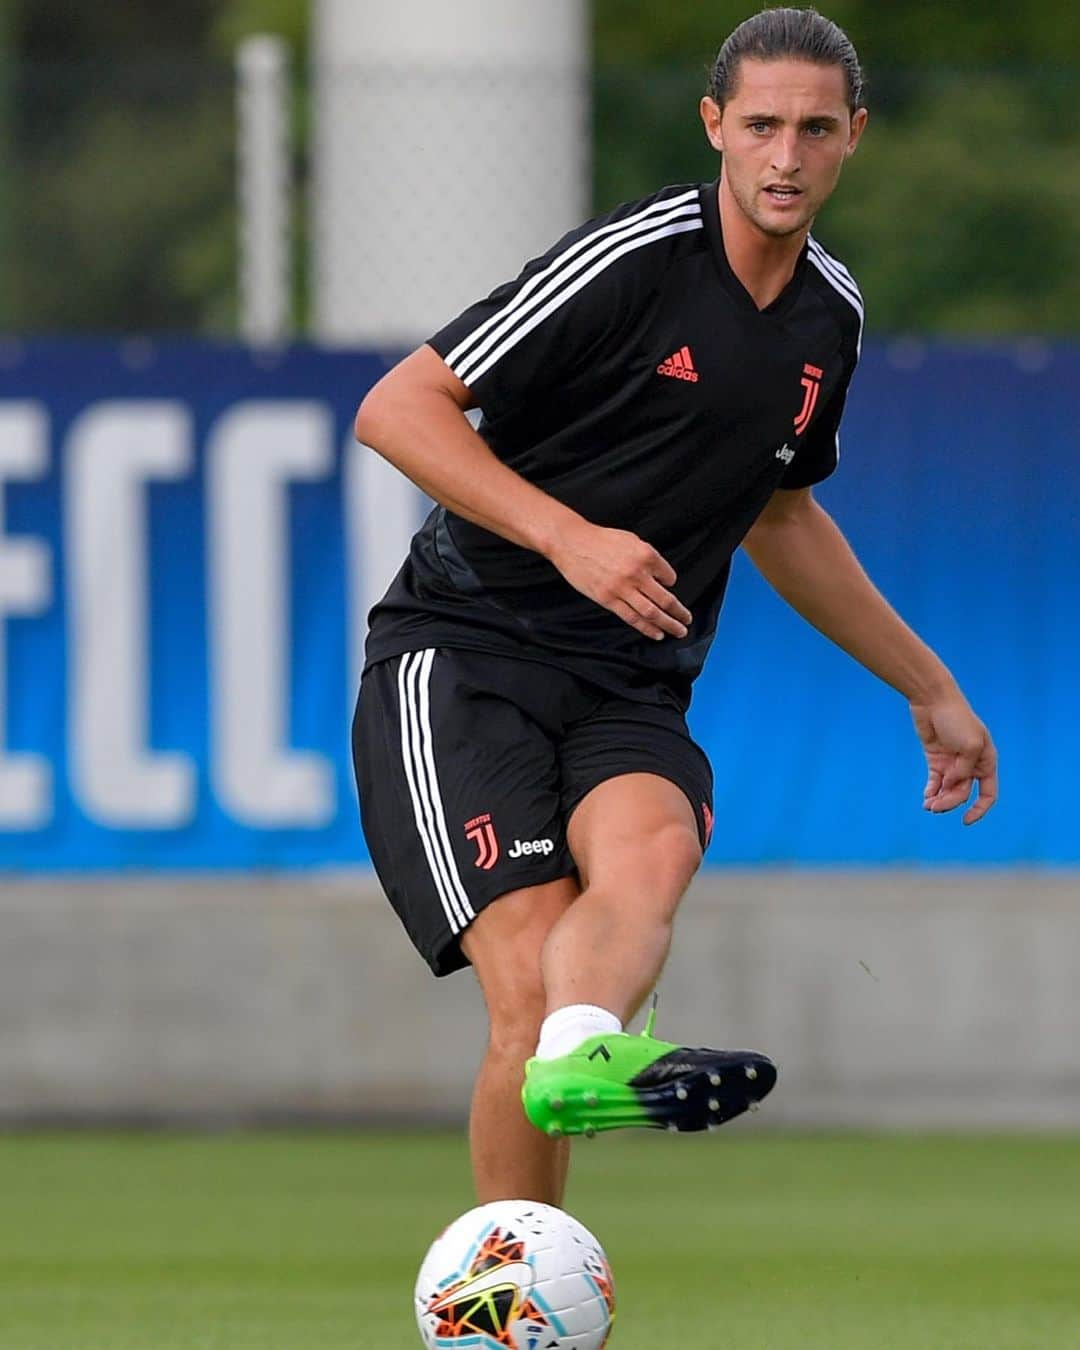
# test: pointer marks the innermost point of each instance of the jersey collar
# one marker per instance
(710, 212)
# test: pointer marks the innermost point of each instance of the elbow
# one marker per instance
(786, 507)
(421, 385)
(369, 416)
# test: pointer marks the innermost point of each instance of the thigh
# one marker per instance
(620, 737)
(459, 796)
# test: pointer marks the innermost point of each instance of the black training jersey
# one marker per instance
(629, 374)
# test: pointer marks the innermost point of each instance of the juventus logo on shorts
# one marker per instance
(482, 831)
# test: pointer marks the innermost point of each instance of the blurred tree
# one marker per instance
(6, 69)
(915, 32)
(126, 181)
(57, 30)
(963, 222)
(238, 19)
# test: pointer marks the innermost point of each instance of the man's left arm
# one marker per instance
(800, 551)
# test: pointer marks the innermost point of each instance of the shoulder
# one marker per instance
(674, 204)
(838, 289)
(645, 233)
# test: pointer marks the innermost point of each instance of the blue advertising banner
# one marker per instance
(190, 539)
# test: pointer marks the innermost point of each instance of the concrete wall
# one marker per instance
(899, 999)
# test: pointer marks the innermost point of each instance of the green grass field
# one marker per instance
(742, 1239)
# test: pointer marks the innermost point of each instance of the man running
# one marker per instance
(664, 385)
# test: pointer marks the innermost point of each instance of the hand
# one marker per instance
(625, 575)
(959, 753)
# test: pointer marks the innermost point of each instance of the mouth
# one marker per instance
(782, 194)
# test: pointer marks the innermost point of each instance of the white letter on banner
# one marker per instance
(382, 511)
(113, 449)
(25, 588)
(253, 453)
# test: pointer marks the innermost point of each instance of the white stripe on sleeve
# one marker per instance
(520, 298)
(846, 288)
(526, 326)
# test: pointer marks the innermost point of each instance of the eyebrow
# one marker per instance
(822, 119)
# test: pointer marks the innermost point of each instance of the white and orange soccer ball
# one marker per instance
(515, 1275)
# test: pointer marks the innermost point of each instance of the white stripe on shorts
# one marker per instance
(417, 753)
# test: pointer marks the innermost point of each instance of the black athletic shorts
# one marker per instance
(468, 767)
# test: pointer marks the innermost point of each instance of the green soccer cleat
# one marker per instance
(614, 1081)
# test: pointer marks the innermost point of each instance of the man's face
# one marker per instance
(785, 134)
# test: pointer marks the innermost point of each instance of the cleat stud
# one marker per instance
(590, 1131)
(673, 1128)
(592, 1099)
(681, 1093)
(755, 1106)
(554, 1132)
(751, 1072)
(556, 1103)
(714, 1079)
(714, 1105)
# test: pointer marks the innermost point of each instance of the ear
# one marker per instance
(712, 115)
(858, 126)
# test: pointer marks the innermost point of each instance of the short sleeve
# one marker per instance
(819, 453)
(533, 335)
(530, 335)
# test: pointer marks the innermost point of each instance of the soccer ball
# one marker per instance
(515, 1275)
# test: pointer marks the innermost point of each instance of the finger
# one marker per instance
(671, 604)
(654, 615)
(661, 569)
(988, 795)
(933, 786)
(954, 787)
(635, 620)
(948, 798)
(962, 769)
(661, 608)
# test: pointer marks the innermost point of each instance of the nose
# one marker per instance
(786, 152)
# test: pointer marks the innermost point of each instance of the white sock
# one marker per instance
(565, 1028)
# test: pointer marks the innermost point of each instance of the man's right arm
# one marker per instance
(415, 418)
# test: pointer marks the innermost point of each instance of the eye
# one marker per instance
(759, 128)
(816, 130)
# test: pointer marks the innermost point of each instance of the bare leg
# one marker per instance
(635, 842)
(511, 1159)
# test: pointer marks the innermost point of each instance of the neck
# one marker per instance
(764, 263)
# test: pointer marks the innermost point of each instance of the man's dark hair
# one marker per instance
(801, 33)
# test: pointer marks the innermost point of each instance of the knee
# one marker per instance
(675, 852)
(656, 868)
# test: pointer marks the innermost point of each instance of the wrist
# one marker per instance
(550, 528)
(932, 686)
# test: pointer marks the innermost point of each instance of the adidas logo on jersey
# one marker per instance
(679, 366)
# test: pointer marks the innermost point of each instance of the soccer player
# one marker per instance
(664, 385)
